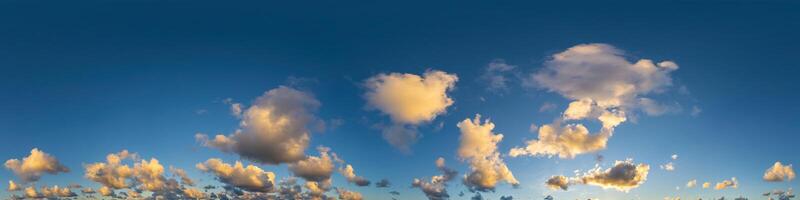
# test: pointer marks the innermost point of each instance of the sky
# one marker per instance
(443, 100)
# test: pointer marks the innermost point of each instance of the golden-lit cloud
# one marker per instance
(273, 130)
(409, 100)
(479, 147)
(194, 193)
(12, 186)
(314, 168)
(57, 192)
(623, 176)
(436, 188)
(565, 141)
(732, 183)
(112, 174)
(150, 174)
(348, 195)
(779, 172)
(558, 182)
(32, 167)
(603, 85)
(249, 178)
(706, 185)
(185, 179)
(349, 174)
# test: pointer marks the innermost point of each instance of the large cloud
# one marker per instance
(602, 85)
(273, 130)
(249, 178)
(38, 163)
(479, 147)
(409, 100)
(436, 189)
(623, 176)
(779, 172)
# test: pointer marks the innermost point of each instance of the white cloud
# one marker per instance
(249, 178)
(602, 85)
(779, 172)
(409, 100)
(669, 166)
(38, 163)
(479, 147)
(273, 130)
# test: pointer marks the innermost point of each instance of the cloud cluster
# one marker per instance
(779, 172)
(273, 130)
(479, 147)
(409, 100)
(249, 178)
(732, 183)
(436, 188)
(623, 176)
(32, 167)
(603, 85)
(112, 174)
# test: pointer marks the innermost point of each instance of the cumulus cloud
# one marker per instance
(314, 168)
(732, 183)
(349, 173)
(273, 130)
(30, 192)
(409, 100)
(691, 183)
(565, 141)
(706, 185)
(317, 189)
(249, 178)
(623, 176)
(38, 163)
(112, 174)
(150, 174)
(558, 182)
(193, 193)
(779, 172)
(602, 85)
(496, 75)
(57, 192)
(479, 147)
(669, 166)
(436, 188)
(348, 195)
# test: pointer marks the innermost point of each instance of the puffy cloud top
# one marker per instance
(436, 189)
(732, 183)
(31, 168)
(479, 147)
(112, 174)
(314, 168)
(410, 98)
(273, 130)
(250, 178)
(779, 172)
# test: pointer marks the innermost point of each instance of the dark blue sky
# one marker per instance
(80, 80)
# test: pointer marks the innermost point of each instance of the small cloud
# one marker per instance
(547, 106)
(695, 111)
(691, 183)
(732, 183)
(32, 167)
(779, 172)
